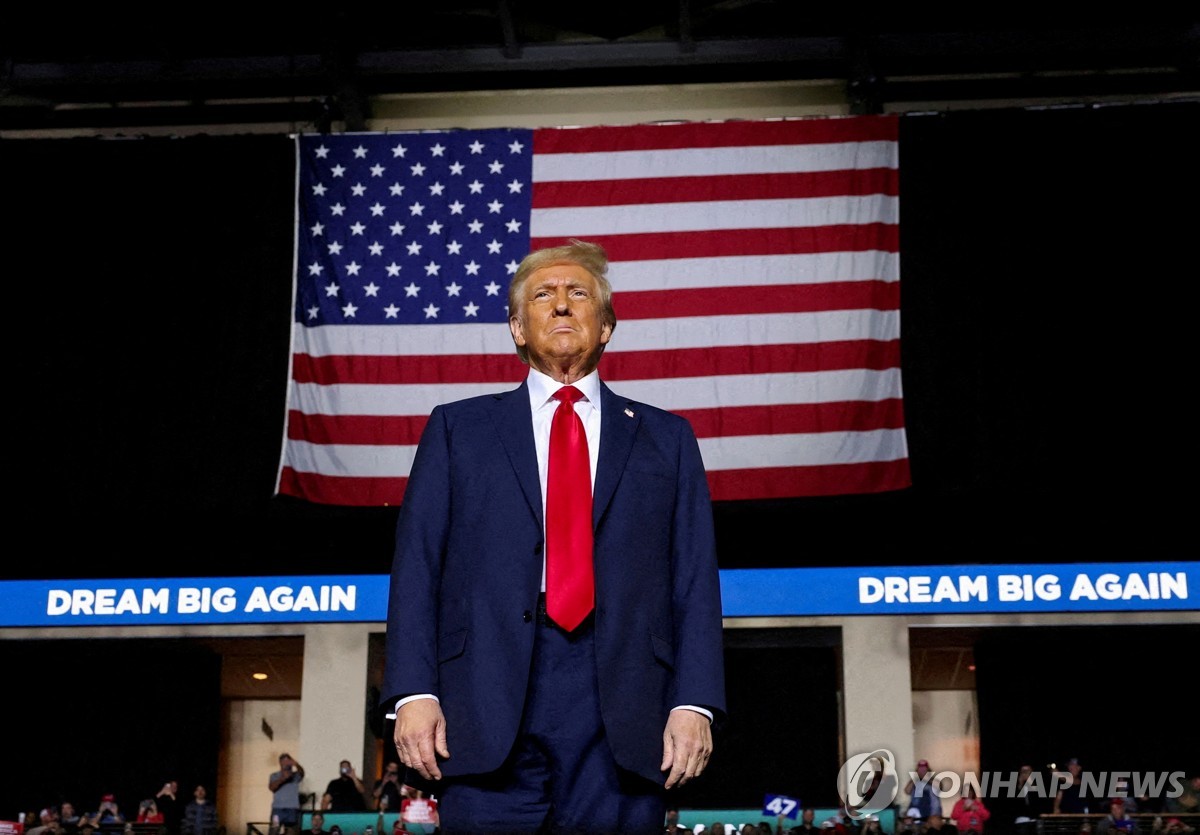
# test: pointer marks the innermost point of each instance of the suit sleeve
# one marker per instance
(422, 529)
(696, 591)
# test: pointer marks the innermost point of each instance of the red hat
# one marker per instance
(923, 762)
(109, 798)
(1118, 801)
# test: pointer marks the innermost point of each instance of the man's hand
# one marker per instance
(421, 737)
(687, 745)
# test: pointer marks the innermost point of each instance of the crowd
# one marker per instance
(163, 813)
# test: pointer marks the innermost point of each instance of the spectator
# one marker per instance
(1017, 813)
(285, 786)
(199, 816)
(108, 812)
(47, 822)
(937, 824)
(1069, 800)
(316, 825)
(673, 826)
(389, 790)
(170, 804)
(806, 826)
(920, 791)
(1117, 821)
(910, 823)
(68, 818)
(346, 792)
(969, 814)
(1188, 803)
(872, 826)
(148, 812)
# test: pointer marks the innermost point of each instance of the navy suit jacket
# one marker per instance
(468, 567)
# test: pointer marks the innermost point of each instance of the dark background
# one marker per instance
(1048, 322)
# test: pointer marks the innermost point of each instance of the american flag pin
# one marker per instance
(629, 412)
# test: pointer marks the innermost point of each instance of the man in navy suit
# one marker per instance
(527, 718)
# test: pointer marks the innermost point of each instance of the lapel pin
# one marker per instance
(629, 412)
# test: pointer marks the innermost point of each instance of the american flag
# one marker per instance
(755, 272)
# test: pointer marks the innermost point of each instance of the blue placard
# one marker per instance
(775, 805)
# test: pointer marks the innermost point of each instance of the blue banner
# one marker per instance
(760, 592)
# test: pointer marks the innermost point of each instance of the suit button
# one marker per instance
(528, 616)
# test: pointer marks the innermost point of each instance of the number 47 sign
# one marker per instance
(780, 804)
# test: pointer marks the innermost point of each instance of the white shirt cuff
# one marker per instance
(707, 713)
(408, 699)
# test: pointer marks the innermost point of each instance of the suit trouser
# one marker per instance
(560, 776)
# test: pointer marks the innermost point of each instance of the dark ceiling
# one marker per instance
(103, 66)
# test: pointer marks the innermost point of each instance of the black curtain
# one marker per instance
(88, 718)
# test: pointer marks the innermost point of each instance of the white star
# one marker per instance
(511, 267)
(318, 229)
(338, 209)
(417, 170)
(515, 147)
(495, 206)
(495, 166)
(470, 309)
(393, 269)
(397, 229)
(432, 268)
(454, 248)
(396, 189)
(349, 310)
(457, 207)
(438, 150)
(434, 228)
(412, 290)
(319, 190)
(338, 170)
(473, 267)
(431, 312)
(377, 210)
(515, 187)
(313, 311)
(414, 248)
(357, 228)
(476, 226)
(476, 147)
(322, 152)
(436, 189)
(456, 168)
(493, 289)
(371, 289)
(353, 268)
(358, 189)
(391, 310)
(360, 152)
(416, 209)
(453, 288)
(331, 289)
(513, 226)
(375, 248)
(335, 248)
(315, 268)
(399, 151)
(494, 247)
(376, 170)
(476, 187)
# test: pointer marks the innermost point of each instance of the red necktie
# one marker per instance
(570, 592)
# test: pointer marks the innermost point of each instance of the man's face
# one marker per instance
(808, 814)
(559, 320)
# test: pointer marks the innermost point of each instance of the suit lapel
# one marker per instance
(514, 425)
(619, 424)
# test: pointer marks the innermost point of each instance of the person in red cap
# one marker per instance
(108, 813)
(1118, 820)
(920, 791)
